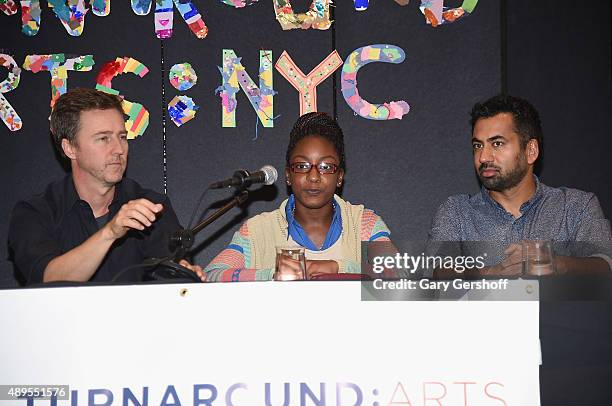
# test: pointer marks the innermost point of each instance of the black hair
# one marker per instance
(317, 124)
(525, 117)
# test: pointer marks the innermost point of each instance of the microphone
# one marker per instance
(243, 179)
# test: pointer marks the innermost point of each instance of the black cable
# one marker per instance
(137, 266)
(197, 206)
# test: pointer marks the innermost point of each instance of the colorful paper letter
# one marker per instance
(316, 17)
(182, 76)
(141, 7)
(7, 113)
(164, 16)
(72, 15)
(101, 8)
(58, 66)
(30, 17)
(239, 3)
(307, 84)
(182, 109)
(361, 5)
(235, 77)
(138, 119)
(8, 7)
(436, 14)
(361, 57)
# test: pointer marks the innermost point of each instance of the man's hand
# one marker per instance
(511, 266)
(197, 269)
(315, 269)
(81, 262)
(135, 214)
(288, 269)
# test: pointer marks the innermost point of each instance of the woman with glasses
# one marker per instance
(313, 217)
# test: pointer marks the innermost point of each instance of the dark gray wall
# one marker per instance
(400, 168)
(556, 54)
(561, 61)
(562, 64)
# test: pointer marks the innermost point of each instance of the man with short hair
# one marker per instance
(513, 205)
(94, 222)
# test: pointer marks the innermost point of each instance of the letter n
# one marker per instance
(235, 77)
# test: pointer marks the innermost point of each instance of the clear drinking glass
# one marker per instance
(538, 258)
(295, 253)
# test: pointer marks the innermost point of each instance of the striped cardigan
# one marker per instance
(251, 255)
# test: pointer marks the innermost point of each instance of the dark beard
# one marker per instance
(502, 182)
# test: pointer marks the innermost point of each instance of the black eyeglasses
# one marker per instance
(324, 168)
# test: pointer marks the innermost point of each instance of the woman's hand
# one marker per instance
(197, 269)
(316, 269)
(288, 269)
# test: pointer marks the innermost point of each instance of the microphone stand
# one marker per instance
(182, 241)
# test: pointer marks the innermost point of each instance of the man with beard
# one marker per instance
(513, 205)
(94, 222)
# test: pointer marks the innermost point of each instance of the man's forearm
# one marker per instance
(80, 263)
(578, 265)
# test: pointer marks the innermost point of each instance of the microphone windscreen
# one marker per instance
(271, 174)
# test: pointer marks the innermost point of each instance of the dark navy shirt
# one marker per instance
(56, 221)
(561, 215)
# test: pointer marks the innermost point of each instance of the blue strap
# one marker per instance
(379, 234)
(299, 235)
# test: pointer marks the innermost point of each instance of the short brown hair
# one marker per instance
(66, 114)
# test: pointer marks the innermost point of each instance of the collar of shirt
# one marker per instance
(299, 235)
(72, 197)
(494, 205)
